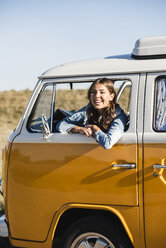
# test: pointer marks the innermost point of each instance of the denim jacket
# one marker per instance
(106, 140)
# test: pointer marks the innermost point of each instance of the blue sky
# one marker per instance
(38, 34)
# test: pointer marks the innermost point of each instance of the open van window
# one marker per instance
(67, 99)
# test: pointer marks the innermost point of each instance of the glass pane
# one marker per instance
(124, 96)
(63, 96)
(80, 94)
(71, 97)
(42, 106)
(160, 115)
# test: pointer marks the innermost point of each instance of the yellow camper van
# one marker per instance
(65, 190)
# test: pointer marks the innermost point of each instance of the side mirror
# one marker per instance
(45, 127)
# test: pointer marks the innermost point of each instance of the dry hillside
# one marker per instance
(12, 105)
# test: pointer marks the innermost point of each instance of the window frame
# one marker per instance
(133, 78)
(31, 130)
(154, 104)
(121, 89)
(125, 82)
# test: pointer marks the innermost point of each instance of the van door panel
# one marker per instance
(154, 179)
(43, 177)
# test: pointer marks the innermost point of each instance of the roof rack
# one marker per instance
(150, 48)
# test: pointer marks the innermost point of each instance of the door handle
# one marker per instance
(159, 166)
(124, 166)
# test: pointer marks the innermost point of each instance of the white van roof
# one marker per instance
(149, 55)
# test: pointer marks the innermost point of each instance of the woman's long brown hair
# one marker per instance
(108, 115)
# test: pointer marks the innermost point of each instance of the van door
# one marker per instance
(69, 168)
(155, 160)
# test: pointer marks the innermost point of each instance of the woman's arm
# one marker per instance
(117, 127)
(74, 123)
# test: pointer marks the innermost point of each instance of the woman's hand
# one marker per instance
(94, 128)
(82, 130)
(88, 130)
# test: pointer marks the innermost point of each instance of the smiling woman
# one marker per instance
(102, 102)
(100, 96)
(102, 118)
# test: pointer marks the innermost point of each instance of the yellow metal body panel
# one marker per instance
(154, 192)
(44, 177)
(125, 214)
(5, 160)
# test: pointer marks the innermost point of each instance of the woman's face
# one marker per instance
(100, 96)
